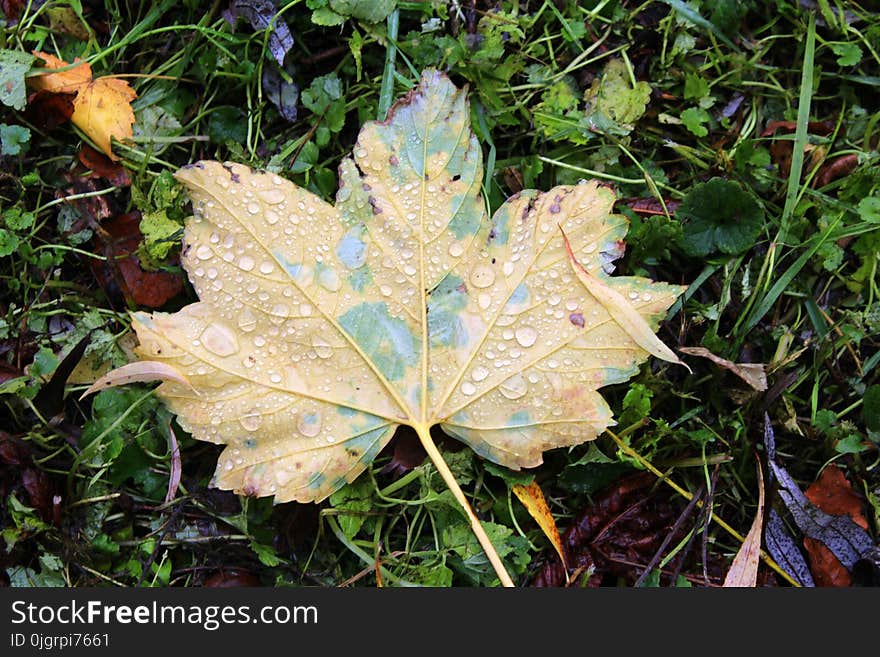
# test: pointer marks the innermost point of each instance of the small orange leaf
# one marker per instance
(101, 108)
(65, 82)
(533, 499)
(744, 569)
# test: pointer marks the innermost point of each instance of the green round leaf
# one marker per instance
(719, 216)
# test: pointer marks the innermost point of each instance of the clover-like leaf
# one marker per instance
(719, 215)
(321, 328)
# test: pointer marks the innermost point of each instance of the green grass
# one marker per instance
(801, 297)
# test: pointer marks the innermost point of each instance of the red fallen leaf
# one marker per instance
(13, 451)
(649, 205)
(228, 579)
(781, 151)
(122, 271)
(832, 493)
(821, 128)
(12, 10)
(8, 372)
(48, 110)
(40, 491)
(837, 168)
(103, 167)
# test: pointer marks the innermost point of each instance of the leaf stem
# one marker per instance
(428, 443)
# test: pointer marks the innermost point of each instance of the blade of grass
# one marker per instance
(694, 17)
(386, 91)
(773, 294)
(800, 133)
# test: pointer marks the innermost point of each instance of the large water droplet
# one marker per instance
(468, 388)
(220, 340)
(526, 336)
(204, 252)
(309, 424)
(456, 249)
(322, 347)
(253, 208)
(484, 300)
(246, 263)
(271, 196)
(515, 387)
(482, 276)
(252, 420)
(266, 267)
(479, 373)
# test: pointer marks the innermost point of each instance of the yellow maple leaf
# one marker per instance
(322, 328)
(102, 107)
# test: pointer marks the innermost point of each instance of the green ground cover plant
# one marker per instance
(741, 141)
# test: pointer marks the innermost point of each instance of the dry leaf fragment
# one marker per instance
(322, 328)
(751, 373)
(532, 497)
(101, 108)
(744, 569)
(138, 372)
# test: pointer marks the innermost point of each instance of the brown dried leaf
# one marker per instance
(138, 372)
(751, 373)
(617, 535)
(103, 167)
(744, 569)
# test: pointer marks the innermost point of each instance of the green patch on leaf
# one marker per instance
(719, 216)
